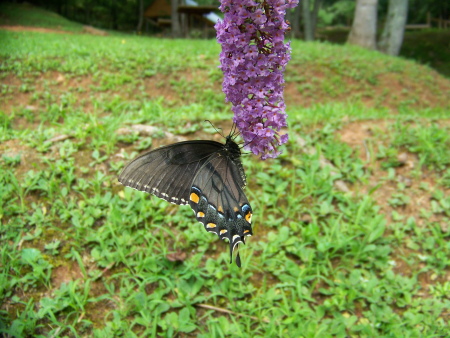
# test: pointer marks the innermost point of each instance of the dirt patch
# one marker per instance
(28, 99)
(357, 133)
(159, 86)
(400, 197)
(65, 274)
(405, 202)
(394, 87)
(306, 87)
(14, 97)
(65, 89)
(309, 85)
(28, 158)
(34, 29)
(86, 30)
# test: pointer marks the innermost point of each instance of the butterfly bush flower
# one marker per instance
(253, 60)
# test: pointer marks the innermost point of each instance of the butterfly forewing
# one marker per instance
(167, 172)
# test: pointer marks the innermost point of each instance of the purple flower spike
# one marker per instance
(253, 60)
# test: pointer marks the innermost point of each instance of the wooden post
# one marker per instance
(205, 32)
(183, 24)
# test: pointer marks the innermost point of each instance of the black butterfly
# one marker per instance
(206, 174)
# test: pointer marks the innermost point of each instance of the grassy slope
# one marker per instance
(81, 255)
(29, 15)
(425, 46)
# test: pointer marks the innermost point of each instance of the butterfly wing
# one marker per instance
(168, 172)
(219, 202)
(206, 174)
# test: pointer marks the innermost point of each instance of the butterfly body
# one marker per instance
(207, 175)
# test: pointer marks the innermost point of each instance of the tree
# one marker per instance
(295, 22)
(394, 28)
(364, 27)
(310, 18)
(175, 18)
(141, 16)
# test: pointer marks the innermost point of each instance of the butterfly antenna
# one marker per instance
(221, 134)
(233, 133)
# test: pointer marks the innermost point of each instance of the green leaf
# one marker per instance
(185, 322)
(30, 256)
(172, 320)
(378, 231)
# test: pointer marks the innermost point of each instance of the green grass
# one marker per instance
(80, 255)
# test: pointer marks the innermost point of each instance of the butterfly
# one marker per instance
(207, 175)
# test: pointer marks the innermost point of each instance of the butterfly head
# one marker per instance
(232, 147)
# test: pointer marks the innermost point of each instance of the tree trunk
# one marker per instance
(364, 28)
(310, 18)
(314, 15)
(141, 16)
(295, 22)
(175, 18)
(394, 28)
(307, 21)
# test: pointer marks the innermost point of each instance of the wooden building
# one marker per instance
(192, 17)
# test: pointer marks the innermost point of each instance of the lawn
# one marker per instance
(351, 222)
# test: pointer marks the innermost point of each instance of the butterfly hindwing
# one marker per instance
(219, 202)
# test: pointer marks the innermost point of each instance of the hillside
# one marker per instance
(131, 67)
(27, 15)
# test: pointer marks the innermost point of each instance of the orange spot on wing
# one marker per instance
(194, 197)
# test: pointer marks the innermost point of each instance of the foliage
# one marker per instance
(337, 13)
(418, 10)
(428, 47)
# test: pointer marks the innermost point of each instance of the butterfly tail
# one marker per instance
(238, 257)
(238, 260)
(234, 245)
